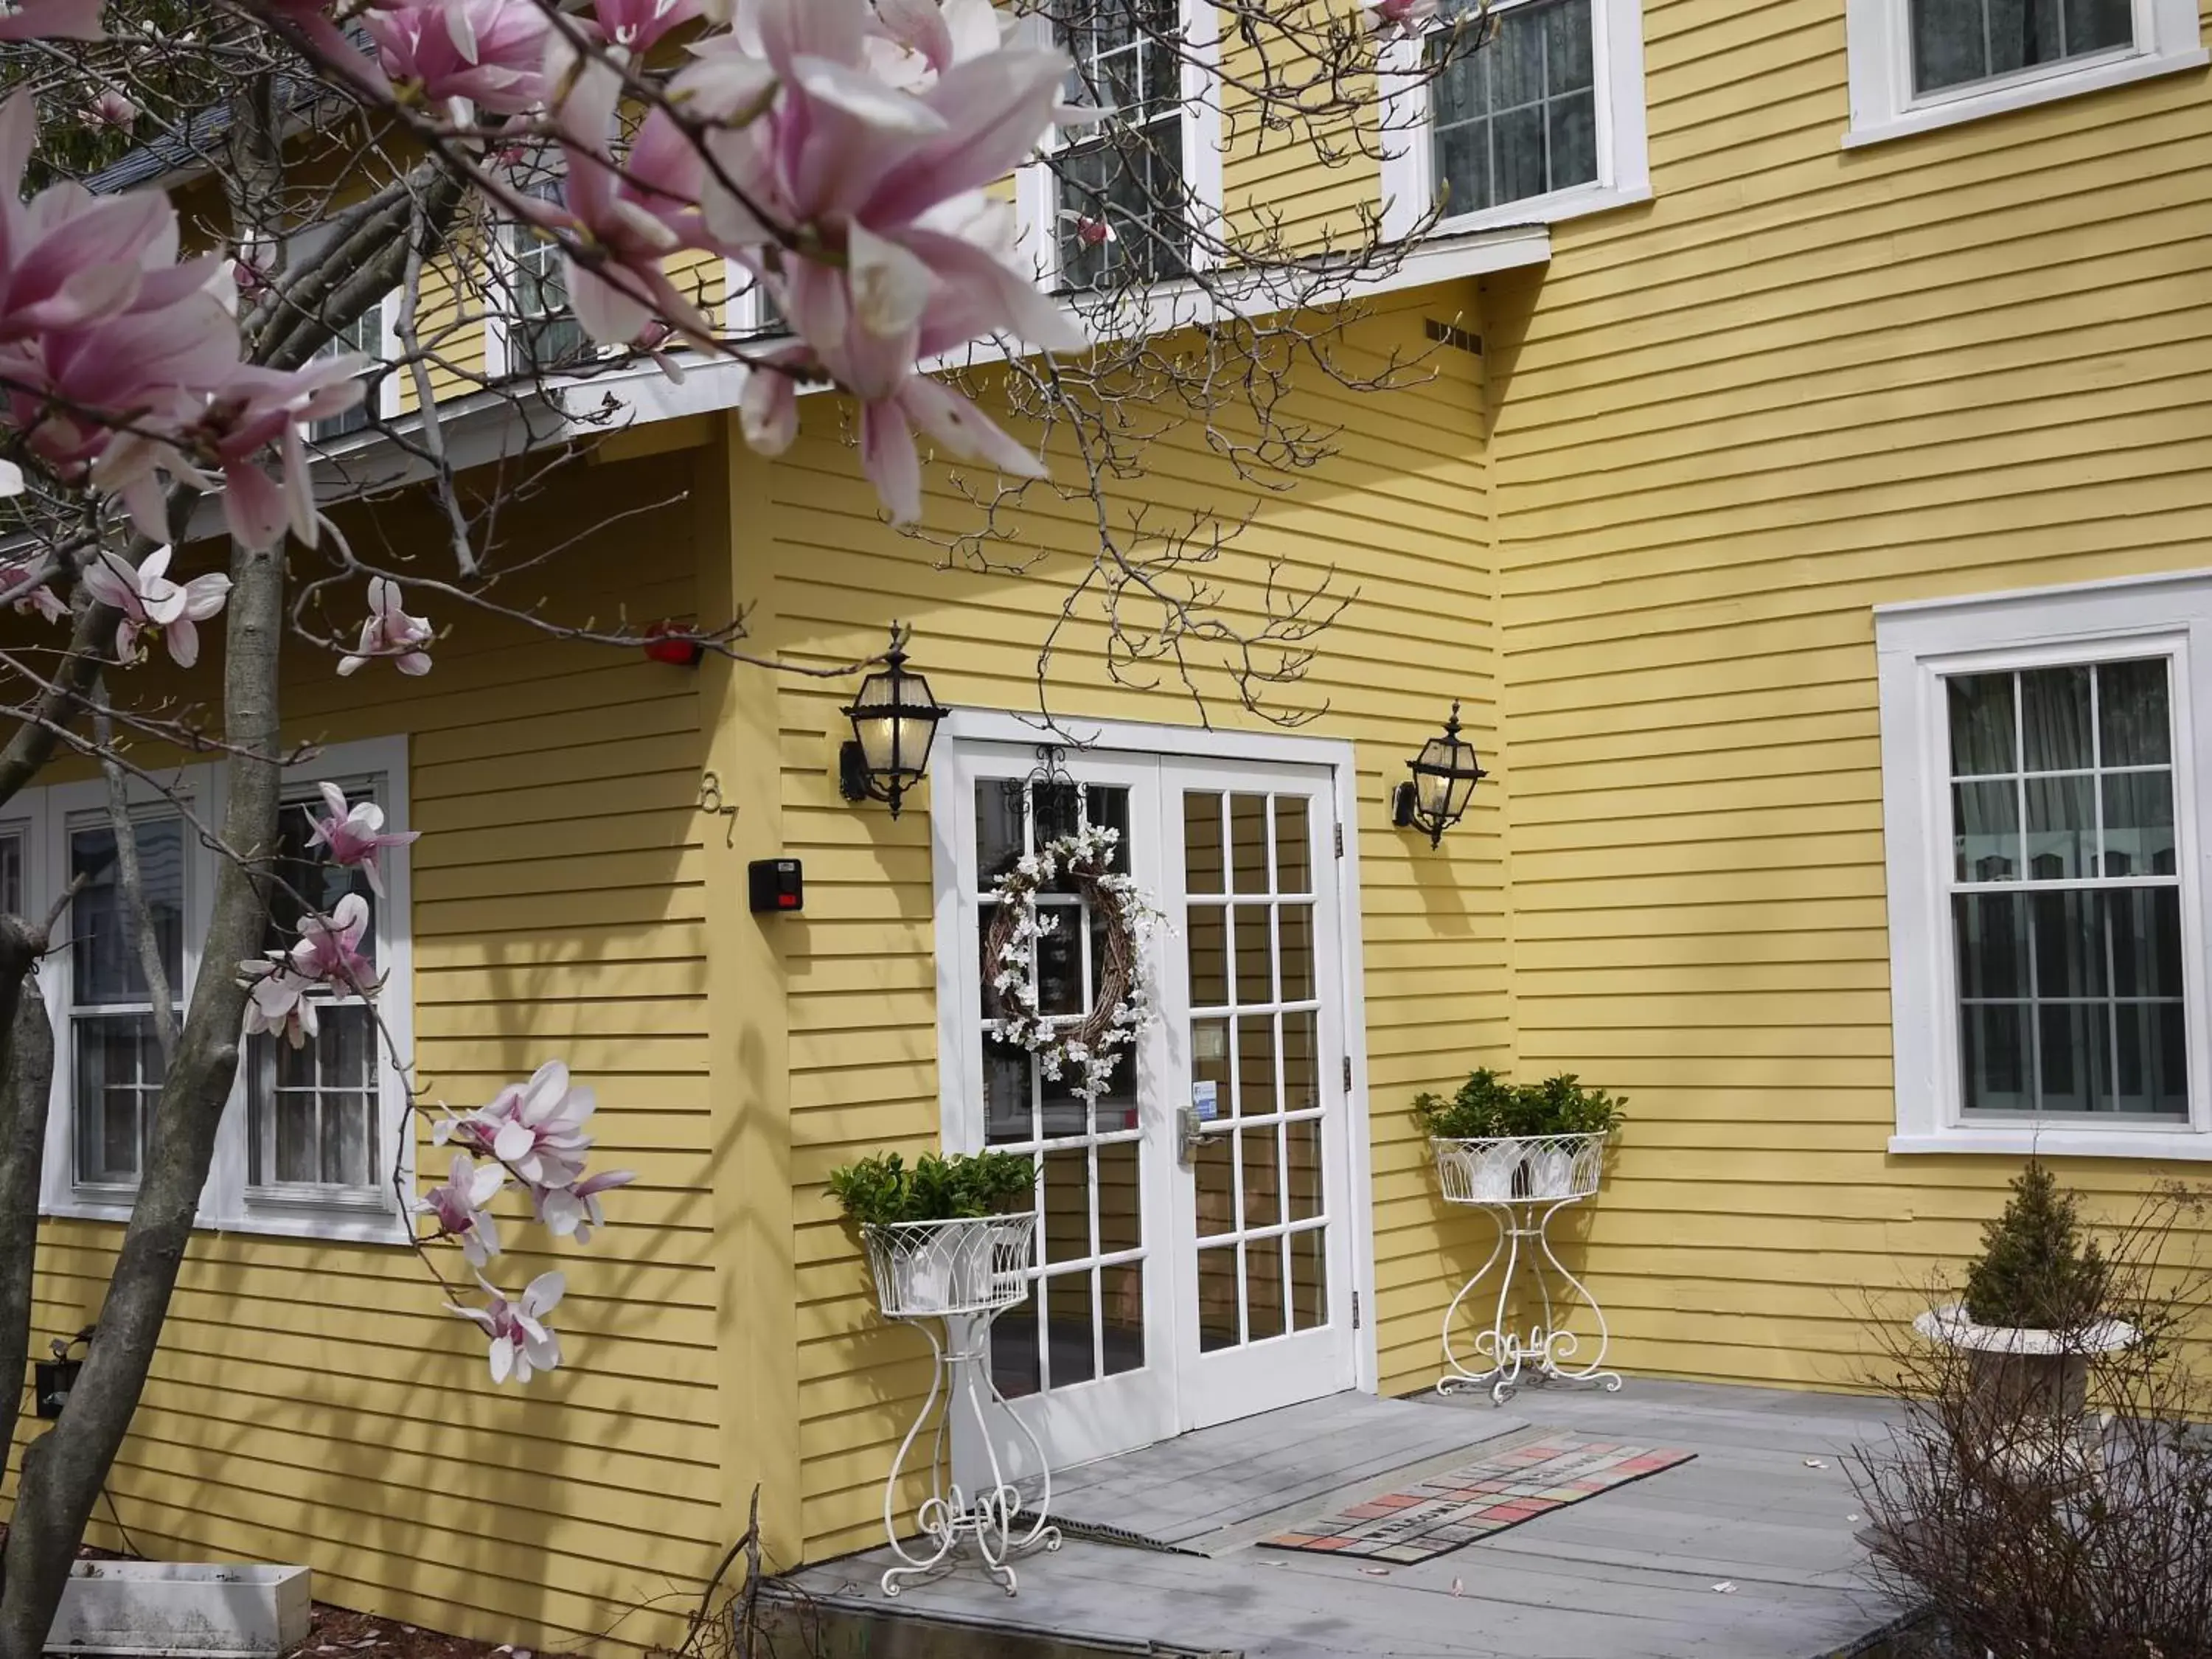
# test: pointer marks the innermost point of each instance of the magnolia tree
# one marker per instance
(176, 368)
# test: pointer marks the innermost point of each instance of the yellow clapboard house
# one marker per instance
(1803, 498)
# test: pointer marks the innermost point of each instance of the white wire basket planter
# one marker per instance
(932, 1269)
(1519, 1168)
(1523, 1180)
(962, 1275)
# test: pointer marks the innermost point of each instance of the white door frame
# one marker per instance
(977, 726)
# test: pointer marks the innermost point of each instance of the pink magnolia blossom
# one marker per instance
(1401, 19)
(537, 1127)
(893, 181)
(389, 632)
(112, 109)
(575, 1210)
(256, 407)
(355, 834)
(637, 26)
(1089, 232)
(148, 598)
(630, 217)
(23, 585)
(522, 1343)
(459, 1206)
(328, 952)
(51, 20)
(279, 1000)
(491, 51)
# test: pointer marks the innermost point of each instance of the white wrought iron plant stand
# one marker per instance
(959, 1276)
(1523, 1182)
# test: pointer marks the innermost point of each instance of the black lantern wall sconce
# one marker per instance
(52, 1379)
(1444, 776)
(895, 720)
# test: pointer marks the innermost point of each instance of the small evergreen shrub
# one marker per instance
(1486, 1107)
(2037, 1270)
(882, 1190)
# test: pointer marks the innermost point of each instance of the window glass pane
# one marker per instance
(303, 873)
(117, 1068)
(104, 952)
(11, 872)
(1958, 41)
(2133, 725)
(314, 1108)
(1984, 738)
(2054, 719)
(1991, 933)
(2062, 828)
(1993, 1055)
(2139, 825)
(1985, 830)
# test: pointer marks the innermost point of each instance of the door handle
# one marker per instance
(1189, 1131)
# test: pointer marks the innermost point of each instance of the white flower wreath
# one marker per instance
(1085, 1049)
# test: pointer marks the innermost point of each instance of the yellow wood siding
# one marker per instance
(313, 1401)
(1802, 382)
(1402, 510)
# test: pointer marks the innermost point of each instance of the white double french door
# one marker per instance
(1194, 1250)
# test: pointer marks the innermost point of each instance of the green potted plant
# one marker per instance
(1497, 1141)
(2037, 1308)
(945, 1235)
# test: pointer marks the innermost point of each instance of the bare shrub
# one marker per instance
(2071, 1522)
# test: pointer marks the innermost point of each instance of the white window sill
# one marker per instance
(324, 1226)
(2018, 1140)
(1576, 203)
(2023, 94)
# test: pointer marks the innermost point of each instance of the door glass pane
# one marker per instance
(1248, 842)
(1293, 845)
(1070, 1344)
(1255, 955)
(1220, 1284)
(1263, 1289)
(1257, 1174)
(1309, 1278)
(1201, 843)
(1121, 1315)
(1208, 934)
(1079, 1318)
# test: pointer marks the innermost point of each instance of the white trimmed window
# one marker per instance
(308, 1140)
(1917, 65)
(1543, 121)
(2042, 804)
(1149, 65)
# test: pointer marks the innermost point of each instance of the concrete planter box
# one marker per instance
(169, 1607)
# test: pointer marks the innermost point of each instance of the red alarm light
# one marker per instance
(669, 642)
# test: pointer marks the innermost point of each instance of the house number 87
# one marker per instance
(710, 801)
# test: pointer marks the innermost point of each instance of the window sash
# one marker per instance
(2029, 1054)
(336, 1105)
(1497, 110)
(1959, 44)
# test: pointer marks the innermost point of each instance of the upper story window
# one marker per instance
(365, 337)
(1917, 64)
(2046, 933)
(1127, 171)
(1136, 195)
(308, 1140)
(1542, 120)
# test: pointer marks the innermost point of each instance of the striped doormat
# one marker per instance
(1489, 1495)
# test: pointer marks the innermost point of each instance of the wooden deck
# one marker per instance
(1746, 1552)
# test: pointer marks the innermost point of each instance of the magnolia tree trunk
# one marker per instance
(25, 1075)
(65, 1469)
